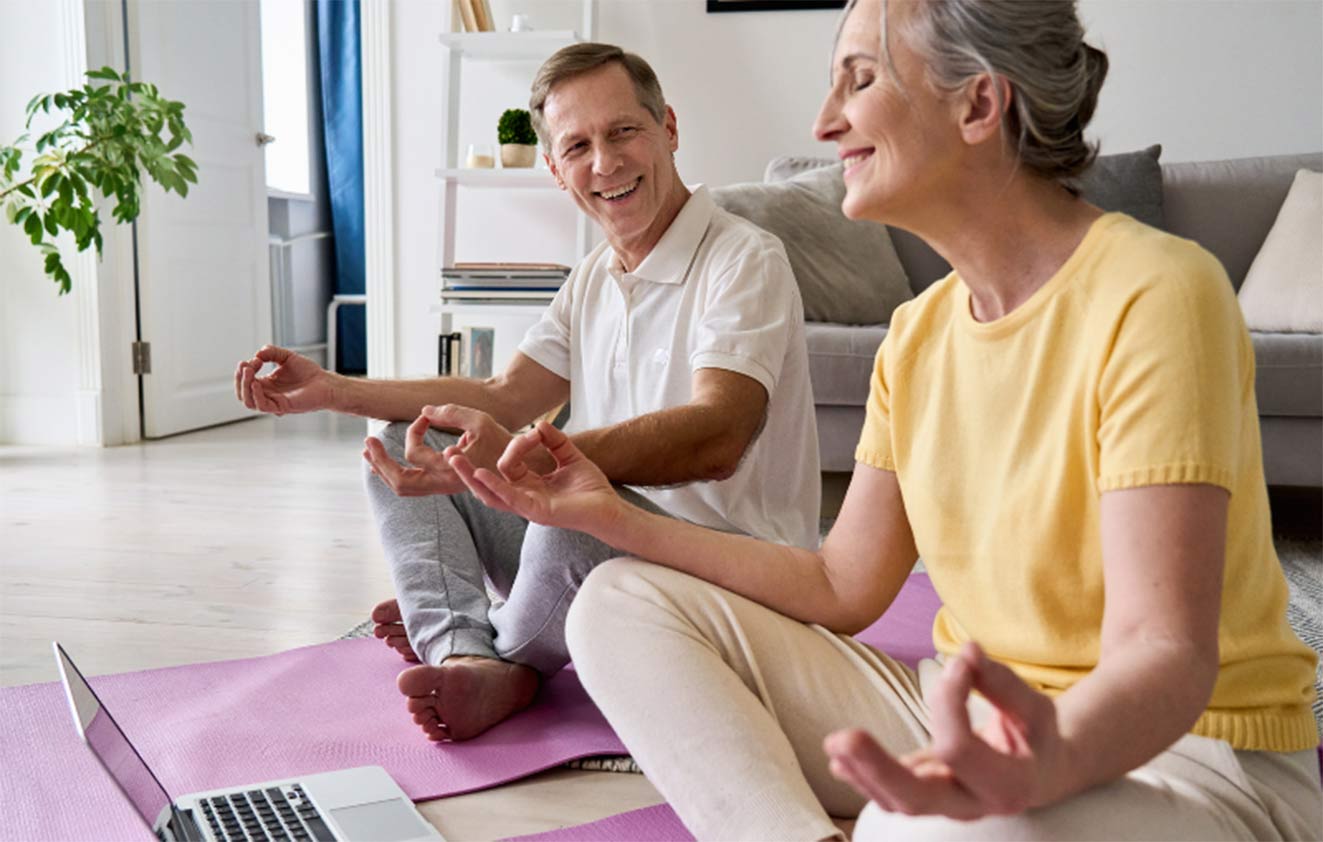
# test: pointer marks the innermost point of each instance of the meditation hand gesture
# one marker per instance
(576, 495)
(483, 441)
(297, 385)
(1007, 766)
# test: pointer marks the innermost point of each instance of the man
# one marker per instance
(679, 345)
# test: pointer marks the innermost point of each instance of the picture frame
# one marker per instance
(771, 5)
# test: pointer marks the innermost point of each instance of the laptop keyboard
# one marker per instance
(279, 814)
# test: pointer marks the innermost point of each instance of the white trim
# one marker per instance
(82, 265)
(288, 196)
(119, 418)
(378, 187)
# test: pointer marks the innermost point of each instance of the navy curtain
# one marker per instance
(342, 122)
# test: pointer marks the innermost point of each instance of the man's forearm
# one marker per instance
(690, 443)
(403, 400)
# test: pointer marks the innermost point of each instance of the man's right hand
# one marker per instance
(297, 385)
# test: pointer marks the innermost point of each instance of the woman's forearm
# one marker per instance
(1138, 701)
(791, 580)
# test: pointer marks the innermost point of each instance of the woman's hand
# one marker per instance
(482, 440)
(1007, 766)
(576, 495)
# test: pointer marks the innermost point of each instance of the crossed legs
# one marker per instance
(477, 664)
(724, 703)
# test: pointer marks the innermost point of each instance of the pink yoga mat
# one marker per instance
(235, 722)
(651, 824)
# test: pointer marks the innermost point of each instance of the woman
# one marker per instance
(1064, 428)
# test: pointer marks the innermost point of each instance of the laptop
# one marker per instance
(363, 803)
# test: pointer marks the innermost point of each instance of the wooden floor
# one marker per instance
(241, 540)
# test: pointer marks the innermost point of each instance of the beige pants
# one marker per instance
(725, 703)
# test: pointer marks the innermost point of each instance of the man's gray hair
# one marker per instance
(1038, 47)
(578, 59)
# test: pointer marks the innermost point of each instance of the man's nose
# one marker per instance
(606, 160)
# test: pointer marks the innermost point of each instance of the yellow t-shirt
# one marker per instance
(1130, 367)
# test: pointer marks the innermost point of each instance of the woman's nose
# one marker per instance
(830, 123)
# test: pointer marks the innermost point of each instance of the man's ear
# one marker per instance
(555, 173)
(672, 129)
(982, 103)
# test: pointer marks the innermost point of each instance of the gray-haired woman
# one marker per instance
(1064, 428)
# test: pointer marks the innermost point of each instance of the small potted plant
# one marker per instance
(518, 141)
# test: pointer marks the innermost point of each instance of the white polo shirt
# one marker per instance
(715, 292)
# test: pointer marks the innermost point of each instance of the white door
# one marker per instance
(203, 287)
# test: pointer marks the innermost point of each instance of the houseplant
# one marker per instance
(112, 132)
(518, 141)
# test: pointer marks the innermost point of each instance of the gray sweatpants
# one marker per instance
(440, 549)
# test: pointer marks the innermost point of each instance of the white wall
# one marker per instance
(1210, 79)
(48, 383)
(1206, 78)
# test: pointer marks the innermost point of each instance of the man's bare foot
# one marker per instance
(390, 626)
(466, 695)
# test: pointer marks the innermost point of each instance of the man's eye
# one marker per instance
(862, 81)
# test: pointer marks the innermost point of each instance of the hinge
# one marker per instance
(142, 358)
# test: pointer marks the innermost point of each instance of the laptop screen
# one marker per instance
(112, 748)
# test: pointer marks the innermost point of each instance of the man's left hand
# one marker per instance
(483, 441)
(1010, 764)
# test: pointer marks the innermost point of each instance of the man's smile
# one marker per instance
(621, 191)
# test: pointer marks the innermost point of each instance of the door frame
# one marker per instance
(109, 395)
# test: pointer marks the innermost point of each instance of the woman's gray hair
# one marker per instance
(1038, 47)
(578, 59)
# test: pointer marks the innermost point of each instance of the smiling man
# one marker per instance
(679, 345)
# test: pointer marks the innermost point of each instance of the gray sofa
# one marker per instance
(1227, 206)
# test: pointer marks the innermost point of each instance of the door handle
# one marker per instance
(263, 139)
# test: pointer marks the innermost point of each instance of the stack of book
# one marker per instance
(476, 15)
(502, 281)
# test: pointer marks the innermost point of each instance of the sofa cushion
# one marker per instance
(1199, 197)
(1129, 182)
(1288, 375)
(841, 361)
(1283, 290)
(848, 271)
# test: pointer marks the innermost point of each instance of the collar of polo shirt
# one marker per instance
(669, 260)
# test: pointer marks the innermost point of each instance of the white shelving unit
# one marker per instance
(469, 51)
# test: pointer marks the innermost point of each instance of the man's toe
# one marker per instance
(387, 612)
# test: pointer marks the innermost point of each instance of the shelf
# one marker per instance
(513, 177)
(534, 45)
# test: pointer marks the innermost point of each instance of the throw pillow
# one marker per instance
(848, 271)
(1129, 182)
(1283, 292)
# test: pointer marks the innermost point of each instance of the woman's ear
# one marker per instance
(982, 103)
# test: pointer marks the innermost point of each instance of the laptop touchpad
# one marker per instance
(387, 821)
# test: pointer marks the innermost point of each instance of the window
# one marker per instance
(285, 95)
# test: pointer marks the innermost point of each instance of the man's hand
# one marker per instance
(482, 440)
(297, 385)
(576, 495)
(1008, 766)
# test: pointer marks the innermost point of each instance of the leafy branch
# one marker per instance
(110, 135)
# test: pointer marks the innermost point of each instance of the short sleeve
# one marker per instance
(548, 341)
(1176, 383)
(750, 314)
(874, 447)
